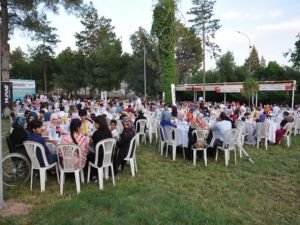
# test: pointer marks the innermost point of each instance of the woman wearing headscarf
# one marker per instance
(123, 144)
(54, 124)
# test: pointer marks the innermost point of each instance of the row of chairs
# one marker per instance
(66, 163)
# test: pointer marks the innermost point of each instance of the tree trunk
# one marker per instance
(4, 41)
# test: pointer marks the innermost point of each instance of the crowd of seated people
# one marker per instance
(85, 122)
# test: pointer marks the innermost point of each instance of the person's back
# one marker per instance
(221, 127)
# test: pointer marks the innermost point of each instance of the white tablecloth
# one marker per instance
(272, 131)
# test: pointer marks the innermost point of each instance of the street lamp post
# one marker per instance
(249, 61)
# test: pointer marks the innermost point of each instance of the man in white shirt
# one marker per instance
(220, 127)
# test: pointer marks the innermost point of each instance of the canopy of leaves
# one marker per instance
(226, 67)
(97, 31)
(188, 52)
(163, 28)
(254, 62)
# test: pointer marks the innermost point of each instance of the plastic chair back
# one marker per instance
(108, 146)
(262, 130)
(201, 135)
(68, 155)
(142, 125)
(230, 138)
(31, 148)
(170, 133)
(132, 148)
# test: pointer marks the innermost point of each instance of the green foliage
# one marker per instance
(250, 87)
(27, 15)
(97, 31)
(163, 28)
(135, 69)
(47, 38)
(19, 64)
(106, 67)
(226, 67)
(295, 54)
(254, 61)
(188, 52)
(70, 66)
(205, 25)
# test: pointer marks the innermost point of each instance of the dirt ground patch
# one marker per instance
(13, 208)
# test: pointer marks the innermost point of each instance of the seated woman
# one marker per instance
(53, 124)
(123, 144)
(282, 130)
(35, 135)
(76, 138)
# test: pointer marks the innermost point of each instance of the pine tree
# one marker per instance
(254, 61)
(206, 26)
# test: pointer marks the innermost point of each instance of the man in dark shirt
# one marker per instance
(35, 135)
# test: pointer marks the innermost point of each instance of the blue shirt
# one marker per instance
(51, 158)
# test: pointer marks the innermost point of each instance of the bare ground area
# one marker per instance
(13, 208)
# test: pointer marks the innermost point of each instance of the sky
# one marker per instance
(271, 25)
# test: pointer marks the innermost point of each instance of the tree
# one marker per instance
(206, 26)
(226, 67)
(26, 15)
(19, 64)
(254, 61)
(295, 55)
(70, 70)
(97, 31)
(163, 28)
(45, 50)
(106, 66)
(135, 68)
(250, 88)
(188, 52)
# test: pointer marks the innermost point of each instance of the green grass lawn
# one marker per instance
(167, 192)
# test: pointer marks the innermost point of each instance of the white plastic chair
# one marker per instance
(288, 133)
(297, 126)
(67, 163)
(171, 141)
(142, 125)
(229, 144)
(201, 136)
(31, 149)
(108, 146)
(262, 132)
(131, 157)
(153, 129)
(162, 139)
(242, 127)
